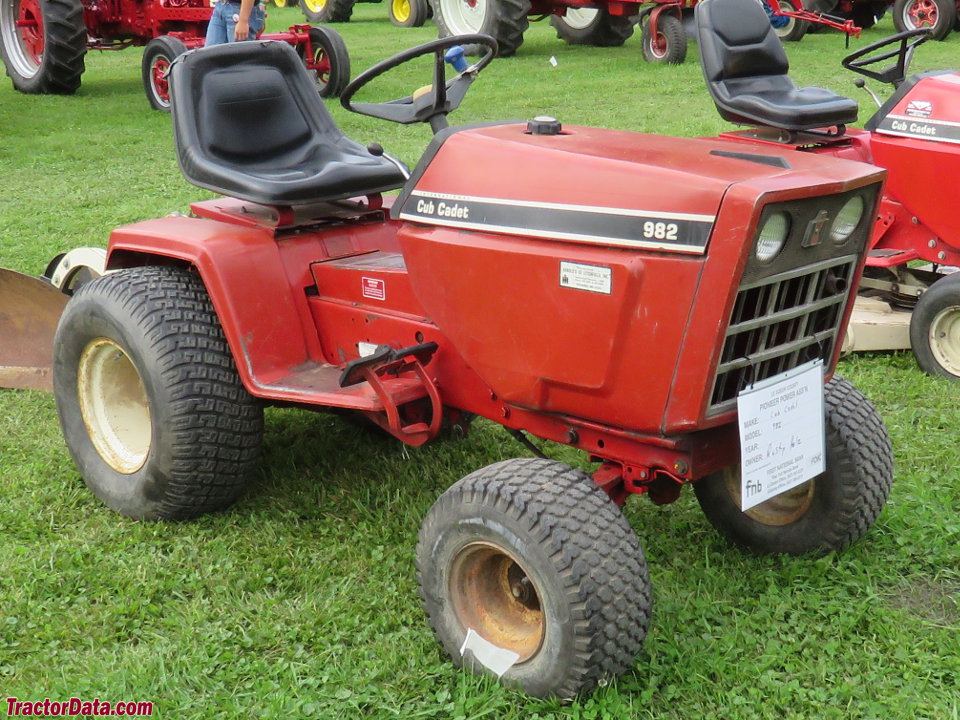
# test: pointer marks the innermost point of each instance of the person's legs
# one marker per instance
(217, 29)
(257, 20)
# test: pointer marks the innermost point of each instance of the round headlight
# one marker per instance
(772, 236)
(847, 220)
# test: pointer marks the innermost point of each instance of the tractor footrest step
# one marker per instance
(319, 384)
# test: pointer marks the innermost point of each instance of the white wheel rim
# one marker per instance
(580, 18)
(944, 338)
(785, 6)
(18, 56)
(114, 406)
(464, 17)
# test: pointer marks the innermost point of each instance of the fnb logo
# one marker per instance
(919, 108)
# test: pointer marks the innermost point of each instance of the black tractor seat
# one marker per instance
(248, 123)
(746, 68)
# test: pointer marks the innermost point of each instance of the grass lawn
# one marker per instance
(301, 602)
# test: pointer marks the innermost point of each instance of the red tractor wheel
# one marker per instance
(159, 53)
(669, 45)
(592, 26)
(938, 15)
(327, 60)
(43, 43)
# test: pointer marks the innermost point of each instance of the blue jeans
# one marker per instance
(220, 29)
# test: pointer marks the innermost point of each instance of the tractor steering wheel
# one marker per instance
(436, 100)
(896, 73)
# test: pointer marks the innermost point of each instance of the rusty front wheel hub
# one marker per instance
(495, 596)
(782, 509)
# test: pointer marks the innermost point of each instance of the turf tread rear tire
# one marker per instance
(862, 475)
(207, 429)
(592, 549)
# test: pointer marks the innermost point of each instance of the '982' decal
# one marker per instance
(660, 230)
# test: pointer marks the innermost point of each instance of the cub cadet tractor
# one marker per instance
(43, 42)
(672, 307)
(914, 135)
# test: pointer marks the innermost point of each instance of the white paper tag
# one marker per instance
(553, 60)
(366, 349)
(781, 433)
(593, 278)
(495, 659)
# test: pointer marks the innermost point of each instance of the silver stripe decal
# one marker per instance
(626, 212)
(555, 235)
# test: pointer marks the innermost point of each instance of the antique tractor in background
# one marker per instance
(611, 23)
(43, 42)
(403, 13)
(940, 16)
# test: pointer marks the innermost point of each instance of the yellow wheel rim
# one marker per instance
(315, 5)
(401, 9)
(114, 405)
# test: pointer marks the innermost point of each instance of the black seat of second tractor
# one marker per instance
(746, 67)
(248, 123)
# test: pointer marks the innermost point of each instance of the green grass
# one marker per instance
(301, 601)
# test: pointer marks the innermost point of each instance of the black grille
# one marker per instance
(780, 322)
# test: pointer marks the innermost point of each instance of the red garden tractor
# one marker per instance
(43, 42)
(611, 23)
(911, 294)
(634, 296)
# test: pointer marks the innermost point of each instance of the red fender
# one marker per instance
(265, 319)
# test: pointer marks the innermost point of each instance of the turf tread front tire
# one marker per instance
(848, 498)
(590, 548)
(206, 429)
(941, 299)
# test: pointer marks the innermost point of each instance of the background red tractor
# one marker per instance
(940, 16)
(43, 42)
(610, 23)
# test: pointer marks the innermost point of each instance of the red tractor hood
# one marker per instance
(592, 185)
